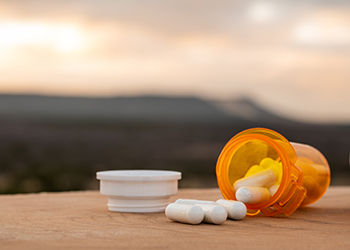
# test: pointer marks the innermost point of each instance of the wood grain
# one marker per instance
(80, 220)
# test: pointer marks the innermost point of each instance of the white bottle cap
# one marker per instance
(138, 191)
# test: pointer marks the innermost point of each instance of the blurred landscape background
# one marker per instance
(87, 86)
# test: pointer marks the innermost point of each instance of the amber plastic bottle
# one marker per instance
(305, 171)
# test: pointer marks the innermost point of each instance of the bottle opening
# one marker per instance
(257, 168)
(247, 159)
(269, 174)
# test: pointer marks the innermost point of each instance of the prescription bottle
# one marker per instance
(305, 173)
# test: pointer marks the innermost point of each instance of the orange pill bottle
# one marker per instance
(305, 171)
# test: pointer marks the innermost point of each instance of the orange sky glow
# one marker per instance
(291, 57)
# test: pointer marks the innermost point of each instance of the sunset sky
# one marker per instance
(292, 57)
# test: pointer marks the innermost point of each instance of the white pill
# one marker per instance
(214, 214)
(194, 202)
(236, 210)
(185, 213)
(263, 178)
(273, 189)
(252, 195)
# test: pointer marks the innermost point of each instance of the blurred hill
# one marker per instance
(247, 110)
(52, 143)
(109, 109)
(143, 108)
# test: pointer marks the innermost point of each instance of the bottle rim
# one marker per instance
(237, 141)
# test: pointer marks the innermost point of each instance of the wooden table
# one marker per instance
(80, 220)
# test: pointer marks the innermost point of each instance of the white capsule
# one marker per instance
(214, 214)
(236, 210)
(252, 195)
(273, 189)
(194, 202)
(185, 213)
(263, 178)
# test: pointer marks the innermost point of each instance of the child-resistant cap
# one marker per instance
(138, 191)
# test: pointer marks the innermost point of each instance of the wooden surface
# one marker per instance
(80, 220)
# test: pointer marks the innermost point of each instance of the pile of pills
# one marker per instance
(197, 211)
(259, 183)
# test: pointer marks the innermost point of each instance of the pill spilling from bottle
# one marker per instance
(270, 174)
(259, 183)
(196, 211)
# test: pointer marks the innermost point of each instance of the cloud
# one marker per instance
(323, 28)
(213, 49)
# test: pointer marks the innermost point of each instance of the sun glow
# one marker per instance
(68, 39)
(261, 12)
(323, 29)
(322, 35)
(62, 38)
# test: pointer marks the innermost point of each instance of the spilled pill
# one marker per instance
(185, 213)
(273, 189)
(194, 202)
(266, 162)
(278, 171)
(253, 170)
(236, 210)
(252, 195)
(214, 214)
(263, 178)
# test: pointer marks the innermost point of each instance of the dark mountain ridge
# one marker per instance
(50, 143)
(139, 108)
